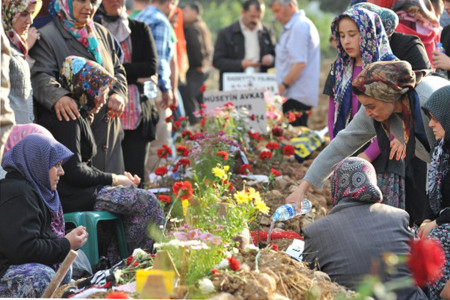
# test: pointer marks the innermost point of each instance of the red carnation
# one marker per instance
(117, 295)
(161, 171)
(203, 122)
(164, 198)
(164, 152)
(234, 265)
(173, 107)
(176, 125)
(253, 135)
(215, 272)
(135, 264)
(184, 162)
(245, 169)
(274, 247)
(183, 189)
(426, 260)
(277, 131)
(299, 114)
(197, 136)
(169, 119)
(188, 134)
(223, 154)
(309, 112)
(275, 172)
(182, 150)
(265, 155)
(130, 259)
(229, 106)
(203, 106)
(273, 146)
(290, 116)
(182, 118)
(252, 117)
(230, 185)
(288, 150)
(203, 88)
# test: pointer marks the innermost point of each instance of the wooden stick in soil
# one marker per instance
(59, 276)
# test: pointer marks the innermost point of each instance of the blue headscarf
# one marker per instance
(374, 47)
(33, 157)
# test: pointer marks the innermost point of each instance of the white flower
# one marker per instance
(223, 264)
(251, 247)
(206, 286)
(117, 274)
(139, 252)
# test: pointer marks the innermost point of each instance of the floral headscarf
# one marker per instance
(86, 34)
(355, 178)
(374, 46)
(11, 10)
(416, 10)
(86, 80)
(388, 16)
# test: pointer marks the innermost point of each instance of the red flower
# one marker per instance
(309, 112)
(197, 136)
(182, 118)
(215, 272)
(245, 169)
(176, 125)
(187, 133)
(164, 152)
(290, 116)
(173, 107)
(203, 122)
(253, 135)
(224, 154)
(288, 150)
(183, 189)
(277, 131)
(117, 295)
(182, 150)
(203, 106)
(230, 185)
(161, 171)
(252, 117)
(299, 114)
(229, 106)
(169, 119)
(275, 172)
(426, 260)
(265, 155)
(164, 198)
(274, 247)
(135, 264)
(234, 265)
(273, 146)
(130, 259)
(184, 162)
(203, 88)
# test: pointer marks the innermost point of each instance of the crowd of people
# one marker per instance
(77, 118)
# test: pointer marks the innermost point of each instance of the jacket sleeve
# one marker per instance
(220, 59)
(146, 64)
(194, 46)
(77, 172)
(21, 241)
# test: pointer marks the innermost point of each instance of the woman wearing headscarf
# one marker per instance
(140, 63)
(73, 32)
(32, 237)
(17, 16)
(437, 222)
(391, 105)
(89, 84)
(358, 230)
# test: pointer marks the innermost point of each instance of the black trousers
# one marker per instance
(192, 96)
(134, 147)
(296, 106)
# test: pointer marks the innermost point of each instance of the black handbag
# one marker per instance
(150, 118)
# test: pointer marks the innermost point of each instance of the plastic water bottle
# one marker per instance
(441, 49)
(288, 211)
(150, 89)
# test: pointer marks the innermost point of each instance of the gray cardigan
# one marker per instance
(361, 130)
(50, 52)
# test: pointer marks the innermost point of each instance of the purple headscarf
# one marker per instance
(355, 178)
(33, 157)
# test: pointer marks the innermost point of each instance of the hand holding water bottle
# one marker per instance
(299, 194)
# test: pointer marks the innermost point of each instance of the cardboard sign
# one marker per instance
(244, 81)
(252, 100)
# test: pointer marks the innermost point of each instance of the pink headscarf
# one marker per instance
(18, 132)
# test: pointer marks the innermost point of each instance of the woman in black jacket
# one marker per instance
(32, 238)
(140, 62)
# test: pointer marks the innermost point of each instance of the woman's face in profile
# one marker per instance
(438, 130)
(24, 20)
(83, 11)
(378, 110)
(54, 174)
(113, 7)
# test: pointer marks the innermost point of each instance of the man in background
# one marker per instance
(245, 43)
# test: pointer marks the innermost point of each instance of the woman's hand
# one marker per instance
(426, 228)
(399, 148)
(66, 108)
(136, 179)
(116, 105)
(33, 35)
(441, 61)
(123, 180)
(77, 237)
(299, 194)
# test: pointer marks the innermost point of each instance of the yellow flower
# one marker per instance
(261, 206)
(219, 173)
(185, 204)
(226, 168)
(241, 197)
(254, 194)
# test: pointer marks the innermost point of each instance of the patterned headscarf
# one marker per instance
(374, 46)
(355, 178)
(86, 34)
(33, 157)
(86, 80)
(416, 10)
(11, 10)
(439, 106)
(19, 131)
(388, 16)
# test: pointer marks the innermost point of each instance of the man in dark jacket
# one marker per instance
(245, 43)
(199, 51)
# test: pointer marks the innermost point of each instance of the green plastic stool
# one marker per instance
(89, 219)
